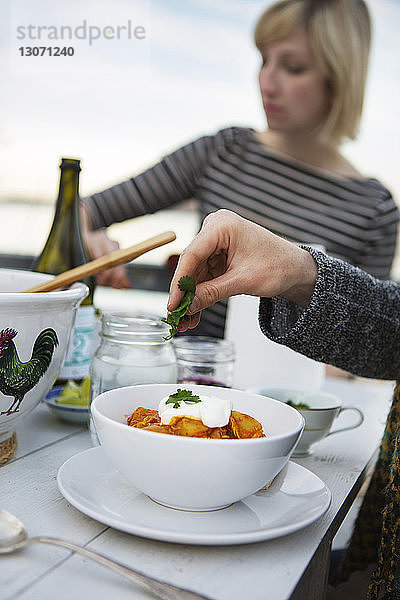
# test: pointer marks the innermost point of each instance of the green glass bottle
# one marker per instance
(63, 250)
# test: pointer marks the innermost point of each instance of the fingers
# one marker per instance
(84, 218)
(97, 244)
(210, 292)
(175, 294)
(116, 277)
(193, 262)
(191, 323)
(187, 265)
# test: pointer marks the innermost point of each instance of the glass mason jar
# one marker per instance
(204, 360)
(132, 351)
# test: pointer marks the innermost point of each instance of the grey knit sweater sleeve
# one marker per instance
(352, 321)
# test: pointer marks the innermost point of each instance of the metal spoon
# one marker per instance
(13, 537)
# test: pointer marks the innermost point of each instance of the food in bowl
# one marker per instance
(191, 473)
(190, 415)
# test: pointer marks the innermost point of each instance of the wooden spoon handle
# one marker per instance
(112, 259)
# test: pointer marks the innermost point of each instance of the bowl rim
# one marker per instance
(72, 292)
(186, 439)
(337, 402)
(319, 409)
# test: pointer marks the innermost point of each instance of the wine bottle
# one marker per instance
(63, 250)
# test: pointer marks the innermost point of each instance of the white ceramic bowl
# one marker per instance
(24, 317)
(191, 473)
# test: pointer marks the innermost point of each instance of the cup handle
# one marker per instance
(359, 422)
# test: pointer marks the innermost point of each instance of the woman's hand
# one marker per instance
(97, 244)
(231, 256)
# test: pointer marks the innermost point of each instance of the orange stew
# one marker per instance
(240, 425)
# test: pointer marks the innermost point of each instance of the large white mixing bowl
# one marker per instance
(34, 335)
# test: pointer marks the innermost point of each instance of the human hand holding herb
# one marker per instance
(232, 256)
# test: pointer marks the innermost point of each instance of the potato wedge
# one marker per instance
(243, 426)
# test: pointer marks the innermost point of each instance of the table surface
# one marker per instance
(270, 569)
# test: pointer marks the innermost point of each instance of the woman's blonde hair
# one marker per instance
(340, 36)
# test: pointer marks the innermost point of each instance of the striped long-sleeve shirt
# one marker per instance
(355, 219)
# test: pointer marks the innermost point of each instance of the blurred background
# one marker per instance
(120, 104)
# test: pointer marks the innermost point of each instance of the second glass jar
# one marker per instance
(204, 360)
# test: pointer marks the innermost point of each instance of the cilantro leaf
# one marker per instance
(188, 285)
(185, 396)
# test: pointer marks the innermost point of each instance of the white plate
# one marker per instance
(295, 499)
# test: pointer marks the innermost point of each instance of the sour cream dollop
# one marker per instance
(212, 411)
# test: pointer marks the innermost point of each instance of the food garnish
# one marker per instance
(188, 285)
(185, 396)
(297, 405)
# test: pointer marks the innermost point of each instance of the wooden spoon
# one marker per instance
(112, 259)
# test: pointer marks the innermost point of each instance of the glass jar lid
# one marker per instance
(132, 328)
(202, 349)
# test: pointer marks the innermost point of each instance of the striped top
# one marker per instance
(355, 219)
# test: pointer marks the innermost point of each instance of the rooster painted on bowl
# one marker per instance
(35, 329)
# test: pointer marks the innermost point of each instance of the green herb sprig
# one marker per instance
(188, 285)
(297, 405)
(185, 396)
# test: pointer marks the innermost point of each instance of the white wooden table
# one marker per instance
(290, 567)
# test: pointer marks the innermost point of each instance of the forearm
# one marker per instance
(174, 179)
(146, 193)
(352, 321)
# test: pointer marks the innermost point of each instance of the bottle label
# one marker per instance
(79, 354)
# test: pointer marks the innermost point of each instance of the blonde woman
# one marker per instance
(291, 178)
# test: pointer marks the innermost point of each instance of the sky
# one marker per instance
(120, 104)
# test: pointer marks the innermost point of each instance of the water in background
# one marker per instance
(25, 226)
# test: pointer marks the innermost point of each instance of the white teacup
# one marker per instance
(321, 410)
